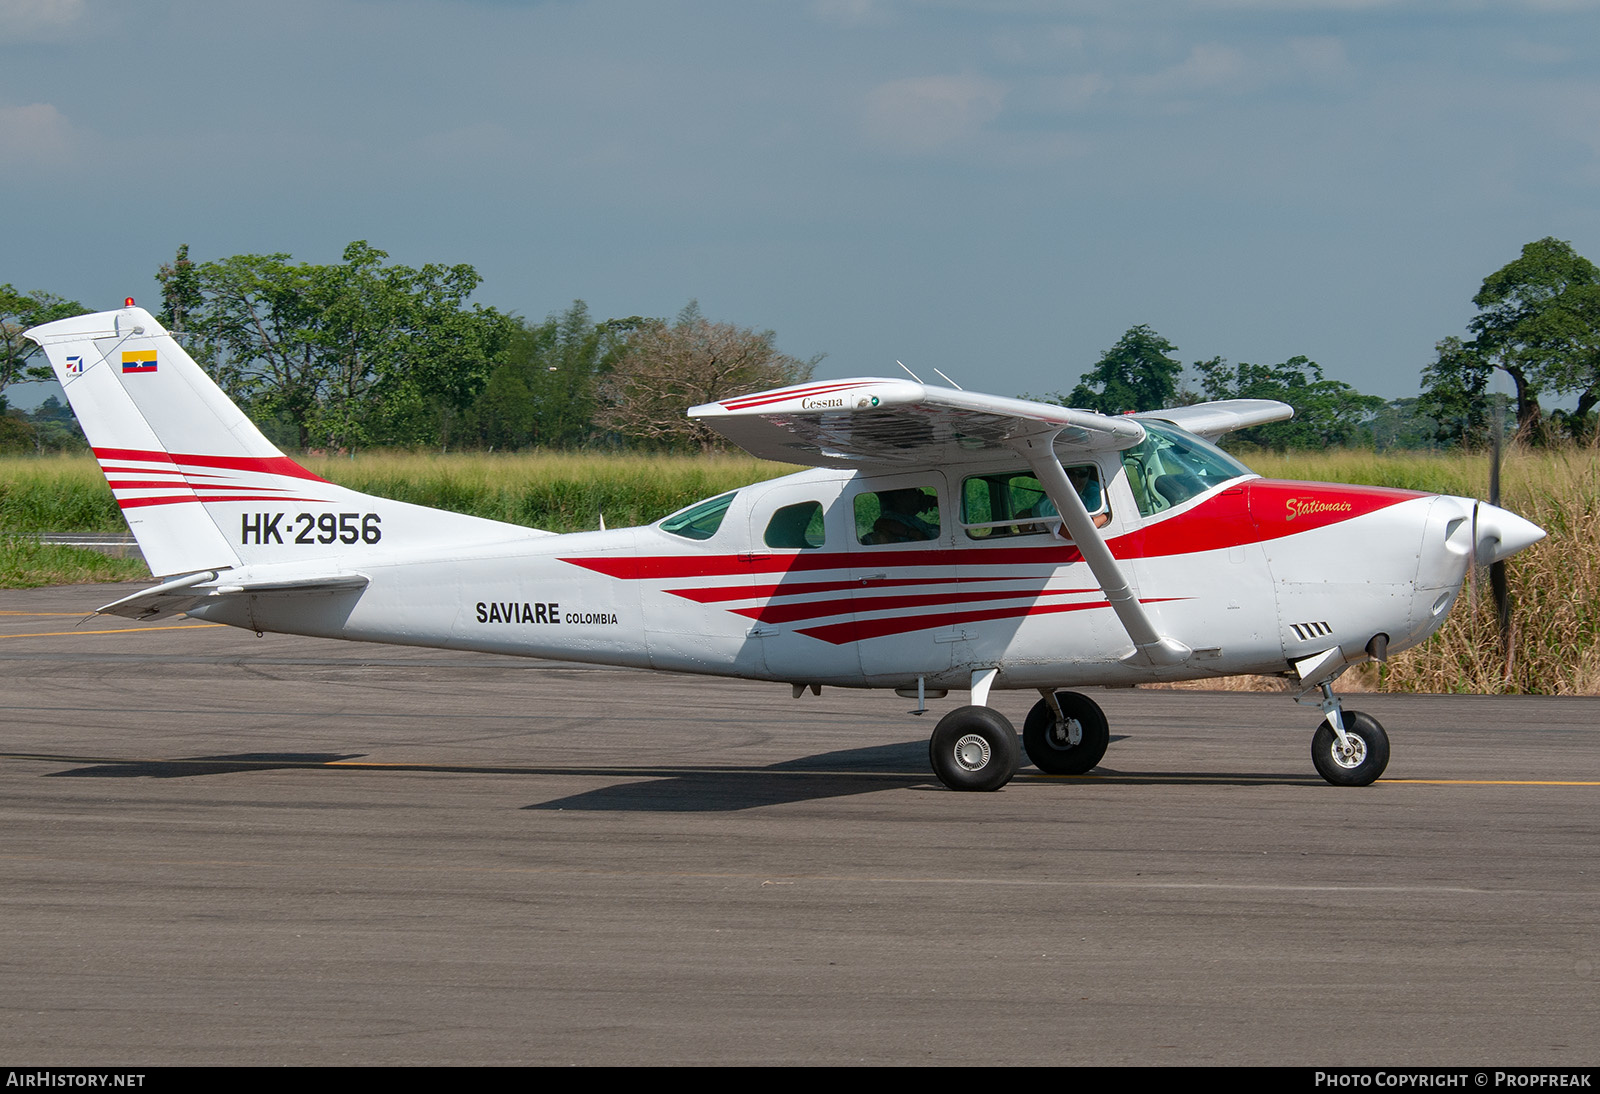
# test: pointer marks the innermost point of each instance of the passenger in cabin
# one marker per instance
(900, 520)
(1087, 483)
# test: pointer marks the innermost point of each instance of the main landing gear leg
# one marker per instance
(974, 747)
(1349, 748)
(1066, 733)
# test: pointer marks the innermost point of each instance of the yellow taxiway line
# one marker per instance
(117, 630)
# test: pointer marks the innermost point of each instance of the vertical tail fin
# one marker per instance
(136, 393)
(200, 487)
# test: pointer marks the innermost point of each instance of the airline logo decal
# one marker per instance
(138, 360)
(75, 365)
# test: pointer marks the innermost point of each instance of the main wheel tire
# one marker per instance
(974, 748)
(1366, 758)
(1048, 746)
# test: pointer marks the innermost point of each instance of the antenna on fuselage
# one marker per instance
(949, 381)
(909, 373)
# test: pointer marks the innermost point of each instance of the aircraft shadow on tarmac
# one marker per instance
(190, 766)
(719, 790)
(663, 788)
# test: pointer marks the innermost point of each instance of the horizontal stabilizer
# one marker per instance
(177, 597)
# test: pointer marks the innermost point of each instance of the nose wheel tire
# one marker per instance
(1358, 764)
(974, 748)
(1050, 746)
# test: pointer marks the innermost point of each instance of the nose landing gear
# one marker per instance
(1349, 748)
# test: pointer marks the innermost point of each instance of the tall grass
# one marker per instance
(25, 563)
(556, 491)
(559, 492)
(56, 493)
(1555, 593)
(1555, 584)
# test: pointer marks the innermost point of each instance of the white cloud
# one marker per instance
(25, 20)
(1539, 53)
(1318, 56)
(1209, 67)
(924, 113)
(850, 13)
(1071, 94)
(1038, 45)
(34, 136)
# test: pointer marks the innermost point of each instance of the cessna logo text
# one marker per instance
(809, 403)
(1305, 507)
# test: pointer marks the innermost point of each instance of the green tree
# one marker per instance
(662, 370)
(181, 295)
(356, 353)
(18, 312)
(1138, 373)
(544, 391)
(1538, 322)
(1399, 423)
(1453, 392)
(1326, 412)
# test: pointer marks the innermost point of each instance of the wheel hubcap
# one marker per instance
(972, 752)
(1352, 754)
(1061, 735)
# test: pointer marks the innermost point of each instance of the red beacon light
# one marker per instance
(127, 302)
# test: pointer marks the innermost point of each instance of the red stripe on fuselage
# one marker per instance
(816, 609)
(855, 630)
(803, 588)
(1254, 512)
(647, 567)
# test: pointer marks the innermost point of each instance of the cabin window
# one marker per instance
(993, 506)
(907, 515)
(1171, 466)
(699, 521)
(796, 527)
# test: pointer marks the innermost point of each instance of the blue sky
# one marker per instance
(997, 190)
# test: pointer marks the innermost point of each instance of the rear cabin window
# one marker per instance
(796, 527)
(907, 515)
(699, 521)
(1015, 504)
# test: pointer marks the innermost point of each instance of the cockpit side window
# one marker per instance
(993, 506)
(699, 521)
(1171, 466)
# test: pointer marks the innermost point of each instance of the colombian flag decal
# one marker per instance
(139, 360)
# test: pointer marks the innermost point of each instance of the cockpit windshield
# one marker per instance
(701, 520)
(1170, 466)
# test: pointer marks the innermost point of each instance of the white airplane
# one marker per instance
(943, 540)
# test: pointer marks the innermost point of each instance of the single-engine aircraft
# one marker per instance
(941, 540)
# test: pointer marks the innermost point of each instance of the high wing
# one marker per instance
(868, 422)
(1212, 420)
(876, 423)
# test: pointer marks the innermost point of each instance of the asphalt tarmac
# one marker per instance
(224, 849)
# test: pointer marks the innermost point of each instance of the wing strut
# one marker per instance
(1150, 646)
